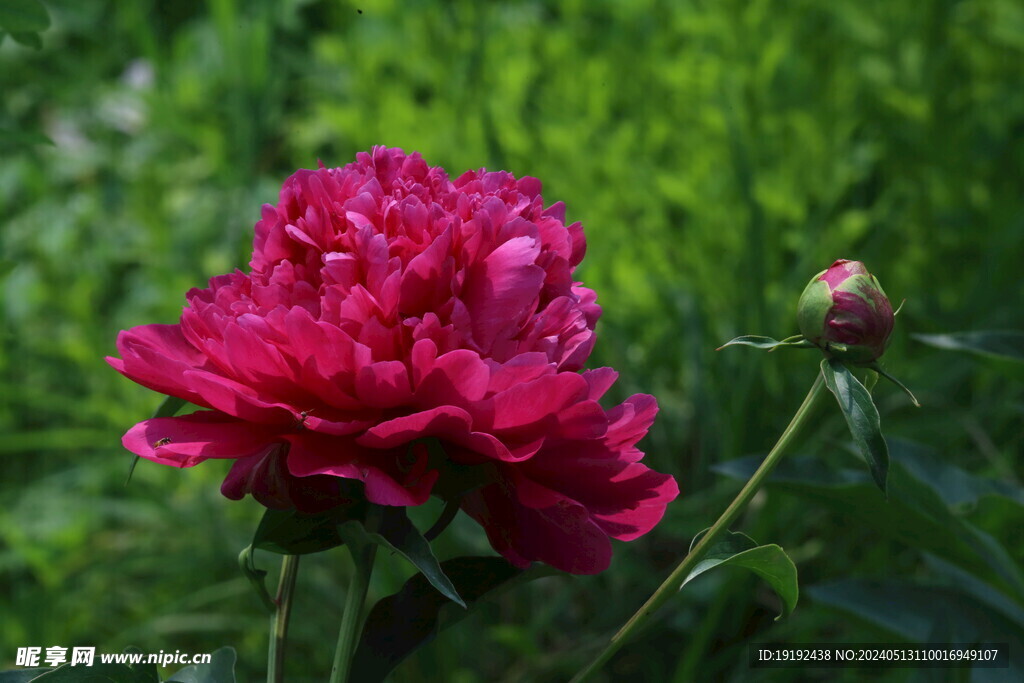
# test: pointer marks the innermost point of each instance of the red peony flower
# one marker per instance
(385, 304)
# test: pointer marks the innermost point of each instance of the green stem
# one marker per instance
(675, 580)
(279, 622)
(352, 619)
(451, 509)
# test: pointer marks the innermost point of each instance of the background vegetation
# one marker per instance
(718, 154)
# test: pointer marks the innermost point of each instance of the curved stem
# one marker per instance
(675, 580)
(279, 622)
(352, 619)
(451, 509)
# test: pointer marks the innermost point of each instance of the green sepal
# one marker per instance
(813, 307)
(862, 285)
(257, 577)
(861, 356)
(877, 368)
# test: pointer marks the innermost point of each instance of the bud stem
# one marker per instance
(675, 580)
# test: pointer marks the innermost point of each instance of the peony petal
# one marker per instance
(238, 400)
(502, 289)
(157, 356)
(535, 403)
(561, 535)
(267, 479)
(187, 440)
(384, 384)
(380, 471)
(600, 380)
(456, 378)
(629, 421)
(427, 280)
(521, 369)
(446, 422)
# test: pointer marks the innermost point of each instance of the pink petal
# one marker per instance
(380, 471)
(502, 289)
(188, 440)
(384, 384)
(561, 535)
(238, 400)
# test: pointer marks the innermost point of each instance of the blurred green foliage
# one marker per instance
(718, 154)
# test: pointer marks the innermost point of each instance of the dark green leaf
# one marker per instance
(32, 40)
(394, 530)
(954, 485)
(22, 139)
(146, 672)
(288, 532)
(770, 562)
(861, 417)
(911, 611)
(221, 669)
(998, 344)
(97, 673)
(21, 675)
(20, 16)
(169, 407)
(767, 342)
(400, 623)
(918, 513)
(979, 589)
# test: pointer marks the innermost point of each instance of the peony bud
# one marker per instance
(844, 312)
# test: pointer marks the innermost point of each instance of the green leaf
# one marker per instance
(979, 589)
(97, 673)
(21, 675)
(861, 417)
(393, 529)
(23, 16)
(919, 511)
(767, 342)
(770, 562)
(32, 40)
(992, 343)
(289, 532)
(911, 611)
(954, 485)
(22, 139)
(145, 672)
(401, 623)
(167, 408)
(221, 669)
